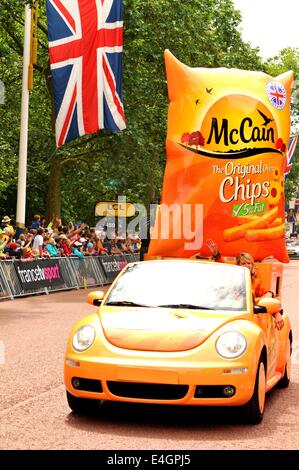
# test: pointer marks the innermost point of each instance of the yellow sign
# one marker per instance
(115, 209)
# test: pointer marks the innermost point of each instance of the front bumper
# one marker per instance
(111, 372)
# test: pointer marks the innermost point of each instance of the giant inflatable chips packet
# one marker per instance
(227, 138)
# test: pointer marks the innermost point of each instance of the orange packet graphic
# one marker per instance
(227, 138)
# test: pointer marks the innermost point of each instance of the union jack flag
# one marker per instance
(277, 94)
(290, 155)
(85, 47)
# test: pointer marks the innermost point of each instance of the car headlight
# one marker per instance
(231, 344)
(83, 338)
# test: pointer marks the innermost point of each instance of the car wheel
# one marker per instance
(253, 411)
(82, 405)
(285, 380)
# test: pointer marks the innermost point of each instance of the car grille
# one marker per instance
(147, 390)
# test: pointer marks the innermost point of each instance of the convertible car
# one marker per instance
(182, 332)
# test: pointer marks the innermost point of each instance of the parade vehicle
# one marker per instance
(184, 332)
(293, 248)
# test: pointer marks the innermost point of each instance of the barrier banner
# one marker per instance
(38, 274)
(112, 265)
(5, 291)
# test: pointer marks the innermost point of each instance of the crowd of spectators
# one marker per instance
(56, 239)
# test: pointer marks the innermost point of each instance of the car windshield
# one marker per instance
(181, 284)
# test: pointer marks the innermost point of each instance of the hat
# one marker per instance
(89, 245)
(77, 244)
(82, 240)
(6, 219)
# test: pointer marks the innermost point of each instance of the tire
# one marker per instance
(82, 405)
(253, 411)
(285, 380)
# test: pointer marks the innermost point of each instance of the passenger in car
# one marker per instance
(258, 291)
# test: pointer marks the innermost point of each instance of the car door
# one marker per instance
(267, 323)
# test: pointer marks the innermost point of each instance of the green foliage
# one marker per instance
(102, 166)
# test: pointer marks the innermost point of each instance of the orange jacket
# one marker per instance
(257, 289)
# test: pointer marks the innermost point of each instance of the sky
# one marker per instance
(270, 25)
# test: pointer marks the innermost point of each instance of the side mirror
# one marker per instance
(259, 309)
(271, 305)
(95, 297)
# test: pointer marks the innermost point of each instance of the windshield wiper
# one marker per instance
(128, 303)
(125, 303)
(190, 306)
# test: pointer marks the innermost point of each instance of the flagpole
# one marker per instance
(22, 171)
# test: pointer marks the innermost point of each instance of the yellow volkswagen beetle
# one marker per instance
(180, 332)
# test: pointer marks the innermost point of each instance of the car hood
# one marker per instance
(160, 329)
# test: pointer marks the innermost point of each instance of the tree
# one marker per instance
(72, 179)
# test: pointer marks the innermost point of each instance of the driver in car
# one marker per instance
(258, 291)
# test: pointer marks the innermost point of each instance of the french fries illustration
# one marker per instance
(261, 222)
(247, 218)
(250, 218)
(276, 222)
(272, 233)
